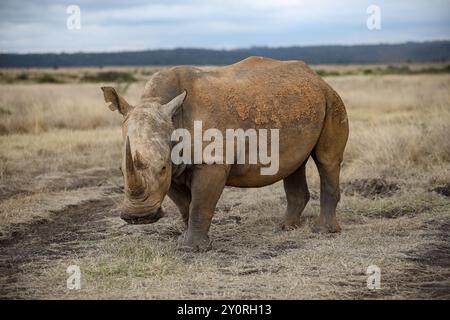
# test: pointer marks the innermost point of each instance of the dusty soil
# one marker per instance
(444, 190)
(433, 285)
(52, 238)
(370, 188)
(62, 232)
(243, 247)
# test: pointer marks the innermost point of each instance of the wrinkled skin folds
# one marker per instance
(258, 93)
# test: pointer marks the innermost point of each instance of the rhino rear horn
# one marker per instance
(173, 105)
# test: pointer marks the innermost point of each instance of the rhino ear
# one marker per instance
(172, 107)
(117, 102)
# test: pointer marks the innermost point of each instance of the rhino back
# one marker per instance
(254, 93)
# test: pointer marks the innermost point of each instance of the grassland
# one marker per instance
(59, 183)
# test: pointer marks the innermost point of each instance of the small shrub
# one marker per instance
(324, 73)
(109, 76)
(22, 76)
(47, 78)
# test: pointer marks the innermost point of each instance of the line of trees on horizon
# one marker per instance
(434, 51)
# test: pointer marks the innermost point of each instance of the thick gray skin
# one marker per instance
(254, 93)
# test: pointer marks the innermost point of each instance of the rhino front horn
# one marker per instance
(133, 179)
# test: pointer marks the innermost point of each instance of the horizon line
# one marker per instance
(225, 49)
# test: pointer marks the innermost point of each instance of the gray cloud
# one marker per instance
(40, 26)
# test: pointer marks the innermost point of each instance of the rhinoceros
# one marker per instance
(255, 93)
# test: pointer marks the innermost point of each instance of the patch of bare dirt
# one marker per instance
(70, 181)
(57, 181)
(65, 232)
(432, 262)
(443, 190)
(370, 188)
(397, 212)
(275, 250)
(11, 189)
(429, 275)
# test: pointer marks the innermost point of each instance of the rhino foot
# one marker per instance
(194, 243)
(322, 225)
(289, 224)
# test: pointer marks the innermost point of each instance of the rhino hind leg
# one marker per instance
(328, 155)
(329, 198)
(297, 195)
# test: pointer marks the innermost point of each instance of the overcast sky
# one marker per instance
(108, 25)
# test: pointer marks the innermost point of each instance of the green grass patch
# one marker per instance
(325, 73)
(48, 78)
(108, 76)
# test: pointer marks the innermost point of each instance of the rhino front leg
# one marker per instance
(207, 184)
(181, 196)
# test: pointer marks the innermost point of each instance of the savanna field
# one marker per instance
(60, 151)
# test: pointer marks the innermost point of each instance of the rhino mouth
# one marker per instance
(151, 218)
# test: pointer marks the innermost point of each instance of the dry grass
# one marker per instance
(36, 108)
(75, 75)
(399, 126)
(59, 150)
(59, 185)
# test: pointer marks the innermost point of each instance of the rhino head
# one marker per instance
(146, 163)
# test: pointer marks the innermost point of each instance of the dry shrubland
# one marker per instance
(399, 126)
(37, 108)
(59, 182)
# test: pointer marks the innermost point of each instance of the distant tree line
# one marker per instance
(434, 51)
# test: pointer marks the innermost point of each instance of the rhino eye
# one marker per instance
(162, 170)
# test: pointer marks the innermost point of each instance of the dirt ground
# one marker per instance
(59, 188)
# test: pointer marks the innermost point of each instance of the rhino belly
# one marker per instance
(295, 147)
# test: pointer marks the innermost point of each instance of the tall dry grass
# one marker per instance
(37, 108)
(399, 126)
